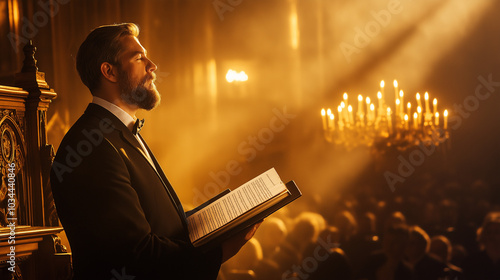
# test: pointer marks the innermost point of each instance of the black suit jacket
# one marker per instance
(121, 215)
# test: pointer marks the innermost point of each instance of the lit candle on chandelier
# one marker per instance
(395, 83)
(323, 117)
(346, 97)
(445, 119)
(398, 106)
(419, 111)
(368, 101)
(435, 105)
(379, 96)
(415, 120)
(401, 98)
(406, 121)
(331, 123)
(360, 105)
(339, 109)
(419, 102)
(351, 118)
(427, 107)
(382, 85)
(409, 108)
(345, 115)
(436, 119)
(389, 119)
(340, 122)
(372, 112)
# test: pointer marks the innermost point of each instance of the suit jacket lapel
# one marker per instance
(167, 184)
(130, 138)
(127, 135)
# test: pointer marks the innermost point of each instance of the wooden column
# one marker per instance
(39, 152)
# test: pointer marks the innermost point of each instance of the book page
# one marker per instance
(241, 219)
(227, 208)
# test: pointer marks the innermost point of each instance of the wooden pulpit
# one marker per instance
(29, 244)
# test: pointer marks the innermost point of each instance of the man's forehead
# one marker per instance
(131, 46)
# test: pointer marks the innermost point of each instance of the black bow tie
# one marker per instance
(137, 126)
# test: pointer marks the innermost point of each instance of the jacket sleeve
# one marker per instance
(105, 223)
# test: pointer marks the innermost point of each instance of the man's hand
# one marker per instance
(231, 246)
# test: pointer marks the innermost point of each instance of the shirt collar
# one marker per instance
(123, 116)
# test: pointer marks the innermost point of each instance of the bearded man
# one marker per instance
(122, 217)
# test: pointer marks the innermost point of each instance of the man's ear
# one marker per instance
(109, 71)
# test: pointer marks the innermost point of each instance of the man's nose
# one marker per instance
(151, 66)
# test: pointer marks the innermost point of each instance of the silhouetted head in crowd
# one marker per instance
(441, 248)
(271, 233)
(315, 219)
(449, 213)
(488, 235)
(247, 258)
(394, 242)
(346, 224)
(367, 224)
(299, 238)
(331, 235)
(396, 218)
(303, 232)
(418, 244)
(458, 254)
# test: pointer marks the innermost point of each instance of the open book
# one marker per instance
(232, 211)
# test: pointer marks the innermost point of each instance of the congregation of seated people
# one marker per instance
(430, 233)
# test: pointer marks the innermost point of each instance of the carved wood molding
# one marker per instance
(28, 242)
(12, 150)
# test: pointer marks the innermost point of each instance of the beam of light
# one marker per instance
(294, 26)
(212, 90)
(14, 14)
(420, 35)
(435, 36)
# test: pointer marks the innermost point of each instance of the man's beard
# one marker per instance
(139, 95)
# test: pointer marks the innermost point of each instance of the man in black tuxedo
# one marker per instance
(122, 217)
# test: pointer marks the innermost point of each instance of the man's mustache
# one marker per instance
(152, 77)
(148, 77)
